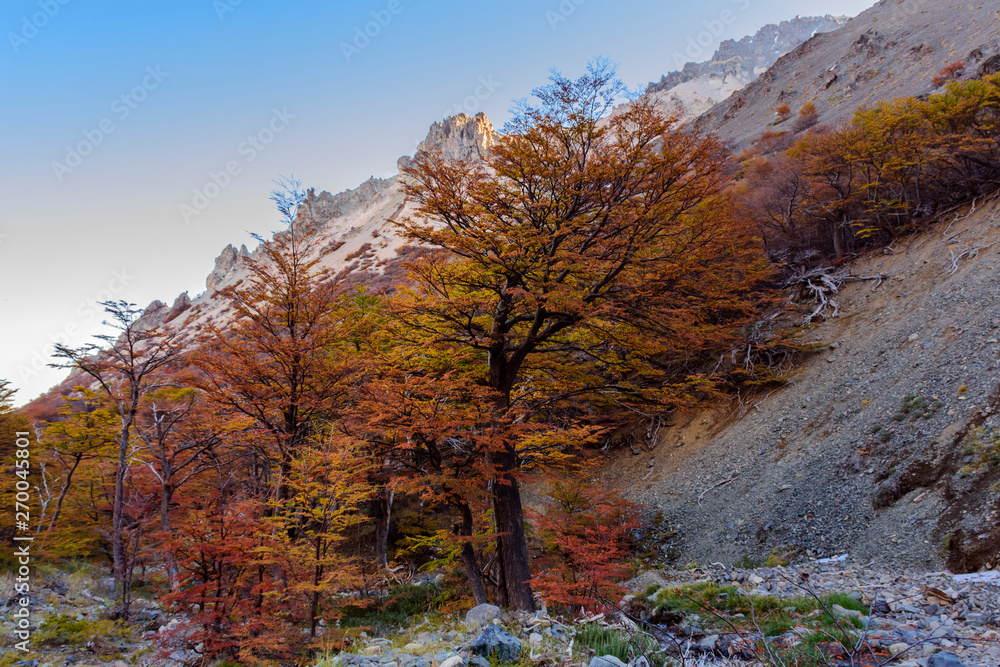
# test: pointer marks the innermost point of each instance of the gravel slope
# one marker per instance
(838, 460)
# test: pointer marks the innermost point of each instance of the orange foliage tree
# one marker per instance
(585, 534)
(894, 165)
(587, 256)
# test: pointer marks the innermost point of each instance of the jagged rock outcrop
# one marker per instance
(325, 206)
(460, 137)
(225, 264)
(157, 312)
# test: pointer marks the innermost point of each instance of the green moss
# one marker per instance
(69, 630)
(983, 445)
(747, 562)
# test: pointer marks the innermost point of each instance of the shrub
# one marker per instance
(585, 537)
(948, 73)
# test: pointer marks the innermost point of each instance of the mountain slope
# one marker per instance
(892, 49)
(872, 448)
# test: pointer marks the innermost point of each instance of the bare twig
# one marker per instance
(731, 479)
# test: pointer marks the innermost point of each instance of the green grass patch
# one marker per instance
(711, 600)
(395, 608)
(607, 641)
(63, 629)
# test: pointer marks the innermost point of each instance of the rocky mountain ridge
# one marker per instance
(350, 229)
(697, 87)
(749, 57)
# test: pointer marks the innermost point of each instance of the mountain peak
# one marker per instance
(460, 137)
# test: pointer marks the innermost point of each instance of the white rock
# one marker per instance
(897, 648)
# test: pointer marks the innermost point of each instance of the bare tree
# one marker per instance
(124, 367)
(178, 450)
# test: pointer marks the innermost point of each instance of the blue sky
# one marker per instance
(118, 117)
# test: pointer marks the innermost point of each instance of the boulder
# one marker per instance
(606, 661)
(480, 615)
(944, 659)
(494, 640)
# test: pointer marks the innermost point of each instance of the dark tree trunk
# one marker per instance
(511, 545)
(838, 244)
(62, 494)
(381, 511)
(469, 556)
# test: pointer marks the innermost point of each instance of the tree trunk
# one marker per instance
(118, 549)
(511, 545)
(838, 244)
(469, 556)
(381, 510)
(166, 494)
(62, 495)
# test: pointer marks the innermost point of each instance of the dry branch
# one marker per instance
(729, 480)
(968, 253)
(820, 284)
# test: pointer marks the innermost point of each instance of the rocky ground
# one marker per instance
(919, 619)
(912, 616)
(909, 619)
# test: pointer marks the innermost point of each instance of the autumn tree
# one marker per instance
(125, 366)
(179, 437)
(86, 431)
(808, 116)
(578, 233)
(585, 534)
(276, 375)
(430, 424)
(783, 112)
(883, 175)
(275, 360)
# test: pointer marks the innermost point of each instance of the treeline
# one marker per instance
(594, 272)
(830, 192)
